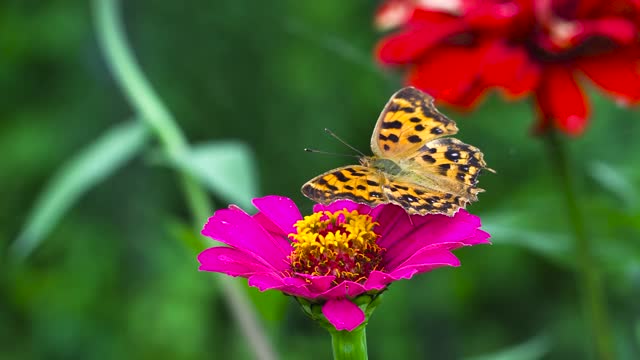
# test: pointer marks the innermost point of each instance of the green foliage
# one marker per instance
(87, 169)
(226, 168)
(533, 349)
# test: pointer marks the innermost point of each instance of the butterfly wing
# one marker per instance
(413, 165)
(355, 182)
(448, 165)
(406, 123)
(418, 199)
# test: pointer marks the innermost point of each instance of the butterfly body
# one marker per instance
(384, 165)
(414, 165)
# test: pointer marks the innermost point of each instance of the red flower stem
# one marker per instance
(349, 345)
(593, 296)
(161, 122)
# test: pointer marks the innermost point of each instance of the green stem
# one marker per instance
(132, 81)
(593, 296)
(349, 345)
(155, 114)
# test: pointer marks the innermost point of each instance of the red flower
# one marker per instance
(458, 50)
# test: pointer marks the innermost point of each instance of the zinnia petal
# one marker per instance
(343, 314)
(236, 228)
(451, 74)
(344, 289)
(424, 261)
(561, 100)
(266, 281)
(407, 238)
(618, 74)
(318, 284)
(422, 256)
(378, 280)
(480, 237)
(430, 258)
(586, 7)
(281, 210)
(231, 261)
(491, 15)
(510, 68)
(393, 13)
(621, 31)
(409, 45)
(272, 281)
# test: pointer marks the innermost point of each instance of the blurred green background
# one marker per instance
(114, 279)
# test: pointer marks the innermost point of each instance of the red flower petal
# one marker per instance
(471, 97)
(586, 7)
(597, 8)
(490, 15)
(434, 16)
(618, 74)
(621, 31)
(409, 45)
(451, 74)
(392, 13)
(561, 100)
(510, 68)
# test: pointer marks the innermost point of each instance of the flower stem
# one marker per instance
(593, 296)
(349, 345)
(157, 117)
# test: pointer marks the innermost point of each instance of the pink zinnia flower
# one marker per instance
(457, 50)
(335, 254)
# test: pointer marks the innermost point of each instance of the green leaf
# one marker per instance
(556, 245)
(533, 349)
(507, 230)
(226, 168)
(88, 168)
(615, 182)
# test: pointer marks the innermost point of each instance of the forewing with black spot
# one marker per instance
(406, 123)
(357, 183)
(417, 199)
(451, 161)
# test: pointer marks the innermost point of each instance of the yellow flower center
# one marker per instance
(342, 244)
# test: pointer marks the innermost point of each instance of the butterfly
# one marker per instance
(414, 164)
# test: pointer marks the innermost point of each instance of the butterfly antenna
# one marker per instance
(344, 142)
(410, 219)
(329, 153)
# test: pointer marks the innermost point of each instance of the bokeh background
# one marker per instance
(114, 279)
